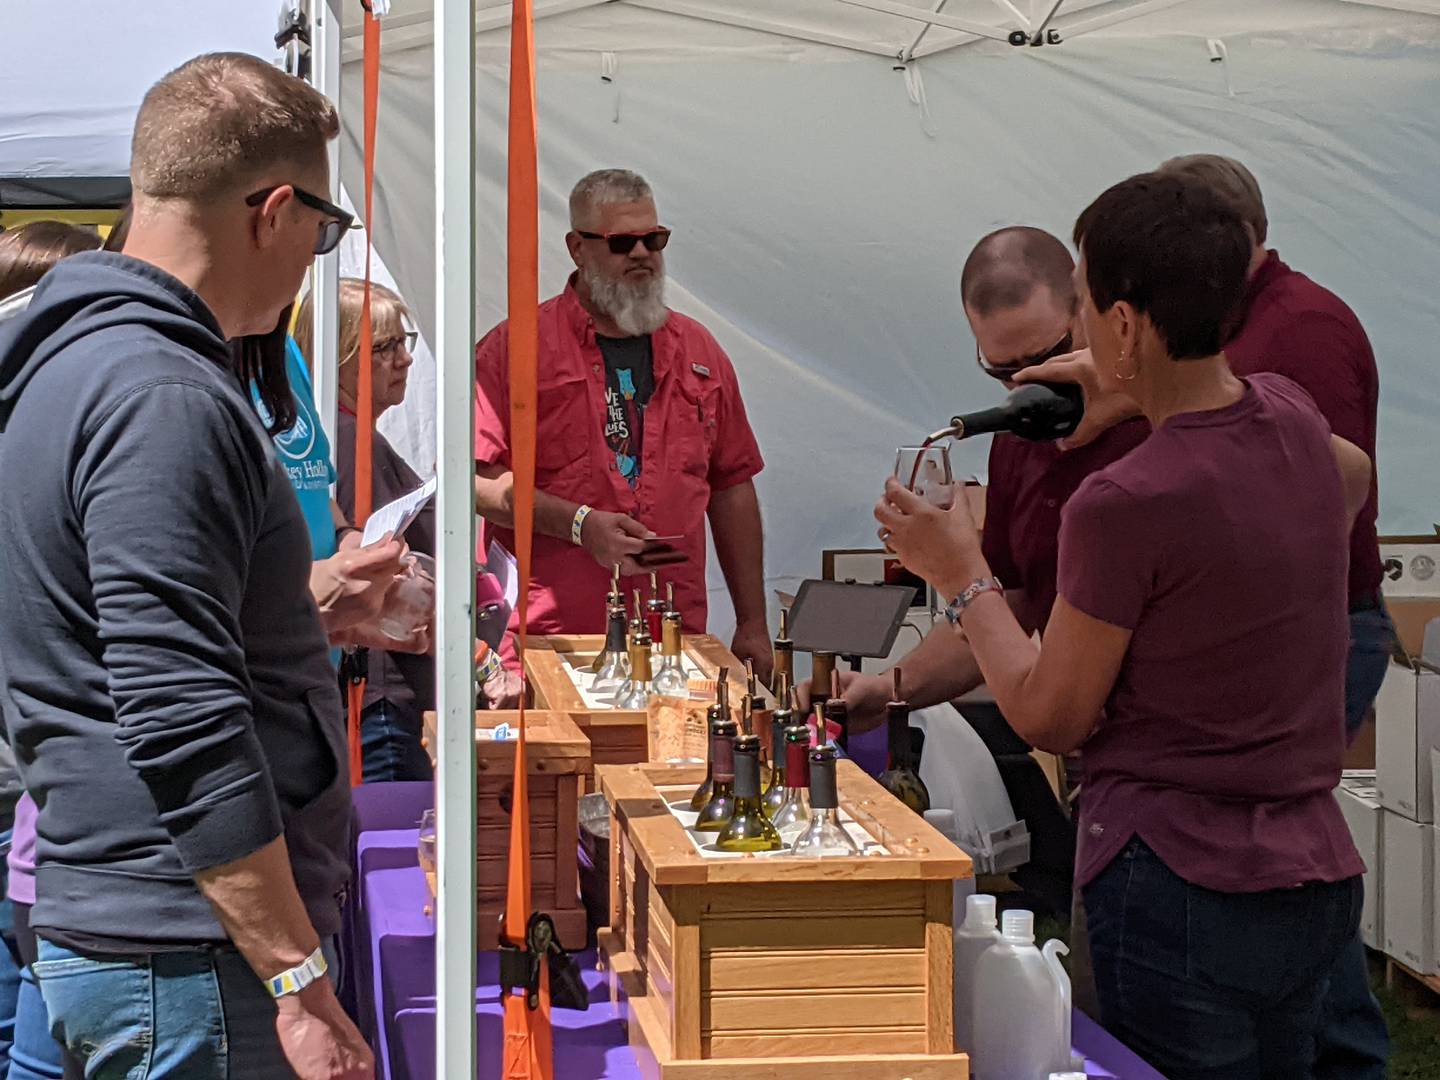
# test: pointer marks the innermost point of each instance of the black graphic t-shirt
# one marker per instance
(629, 382)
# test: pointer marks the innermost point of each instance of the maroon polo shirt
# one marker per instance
(1029, 484)
(1221, 545)
(1303, 331)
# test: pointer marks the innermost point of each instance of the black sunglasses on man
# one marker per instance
(336, 224)
(1006, 372)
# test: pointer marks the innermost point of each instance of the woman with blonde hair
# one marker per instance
(401, 685)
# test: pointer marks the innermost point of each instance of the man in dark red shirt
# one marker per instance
(1289, 325)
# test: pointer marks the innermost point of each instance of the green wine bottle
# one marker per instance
(748, 829)
(900, 778)
(717, 712)
(716, 813)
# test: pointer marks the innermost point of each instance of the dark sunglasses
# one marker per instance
(1008, 371)
(336, 224)
(622, 243)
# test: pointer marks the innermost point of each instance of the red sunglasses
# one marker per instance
(624, 243)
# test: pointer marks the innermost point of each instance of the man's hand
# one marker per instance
(318, 1039)
(864, 695)
(614, 538)
(503, 689)
(752, 642)
(1103, 408)
(350, 586)
(942, 546)
(370, 636)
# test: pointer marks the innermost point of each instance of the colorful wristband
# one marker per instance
(581, 513)
(298, 978)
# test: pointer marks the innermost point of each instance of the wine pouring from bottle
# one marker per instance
(1038, 411)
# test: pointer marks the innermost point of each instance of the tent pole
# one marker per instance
(455, 628)
(950, 22)
(325, 59)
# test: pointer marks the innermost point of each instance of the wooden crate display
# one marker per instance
(617, 736)
(557, 759)
(759, 967)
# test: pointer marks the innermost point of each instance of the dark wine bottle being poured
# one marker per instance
(1036, 411)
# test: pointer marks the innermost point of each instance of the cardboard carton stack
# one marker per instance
(1396, 818)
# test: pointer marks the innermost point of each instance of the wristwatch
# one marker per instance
(298, 978)
(955, 608)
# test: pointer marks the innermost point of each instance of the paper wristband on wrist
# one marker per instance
(298, 978)
(581, 513)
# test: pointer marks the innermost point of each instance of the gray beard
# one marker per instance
(636, 309)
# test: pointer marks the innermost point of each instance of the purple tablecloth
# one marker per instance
(394, 942)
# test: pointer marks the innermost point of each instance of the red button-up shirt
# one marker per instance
(1029, 484)
(1305, 332)
(697, 441)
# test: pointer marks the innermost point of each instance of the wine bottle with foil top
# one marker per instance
(749, 829)
(614, 601)
(634, 692)
(784, 656)
(782, 718)
(670, 680)
(718, 712)
(794, 815)
(721, 804)
(823, 836)
(655, 609)
(901, 778)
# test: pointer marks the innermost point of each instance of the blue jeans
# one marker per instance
(1214, 986)
(163, 1016)
(390, 744)
(1353, 1042)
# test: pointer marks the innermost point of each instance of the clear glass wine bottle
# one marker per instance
(794, 815)
(748, 828)
(613, 600)
(670, 680)
(824, 837)
(634, 692)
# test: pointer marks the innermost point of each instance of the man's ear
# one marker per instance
(573, 240)
(269, 215)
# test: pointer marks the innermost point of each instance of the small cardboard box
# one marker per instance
(1409, 893)
(1407, 727)
(1360, 804)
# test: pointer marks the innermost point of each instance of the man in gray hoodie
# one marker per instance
(164, 673)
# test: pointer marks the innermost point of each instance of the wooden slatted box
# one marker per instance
(557, 760)
(763, 967)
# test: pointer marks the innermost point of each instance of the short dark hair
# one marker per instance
(1175, 250)
(1008, 265)
(28, 253)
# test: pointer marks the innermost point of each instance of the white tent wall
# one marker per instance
(819, 227)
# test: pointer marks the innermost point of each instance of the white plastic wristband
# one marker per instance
(298, 978)
(581, 513)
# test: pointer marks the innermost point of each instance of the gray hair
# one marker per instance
(605, 187)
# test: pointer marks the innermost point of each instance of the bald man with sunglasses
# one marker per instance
(641, 435)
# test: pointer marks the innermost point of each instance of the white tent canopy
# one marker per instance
(823, 192)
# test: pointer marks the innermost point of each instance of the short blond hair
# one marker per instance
(1229, 179)
(218, 122)
(387, 318)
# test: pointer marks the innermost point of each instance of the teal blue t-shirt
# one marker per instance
(305, 452)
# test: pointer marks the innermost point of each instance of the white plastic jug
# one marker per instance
(972, 937)
(1022, 1006)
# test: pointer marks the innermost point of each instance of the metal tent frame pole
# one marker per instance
(325, 282)
(455, 936)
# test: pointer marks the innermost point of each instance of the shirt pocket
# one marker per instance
(694, 427)
(562, 436)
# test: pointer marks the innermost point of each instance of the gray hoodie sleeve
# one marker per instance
(170, 487)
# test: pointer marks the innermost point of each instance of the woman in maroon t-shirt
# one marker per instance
(1196, 651)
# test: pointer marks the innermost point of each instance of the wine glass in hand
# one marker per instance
(925, 470)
